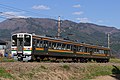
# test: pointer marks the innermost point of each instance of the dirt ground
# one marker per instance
(50, 71)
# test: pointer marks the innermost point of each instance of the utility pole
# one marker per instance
(108, 40)
(58, 35)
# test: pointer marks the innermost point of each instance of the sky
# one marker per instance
(101, 12)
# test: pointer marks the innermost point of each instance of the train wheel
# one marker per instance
(82, 60)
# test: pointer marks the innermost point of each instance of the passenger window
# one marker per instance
(59, 45)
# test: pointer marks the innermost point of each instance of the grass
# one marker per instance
(67, 67)
(43, 67)
(4, 59)
(4, 73)
(73, 71)
(66, 71)
(31, 73)
(99, 70)
(114, 60)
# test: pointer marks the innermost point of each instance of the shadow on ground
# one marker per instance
(116, 72)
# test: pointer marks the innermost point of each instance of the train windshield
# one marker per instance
(21, 41)
(14, 40)
(27, 40)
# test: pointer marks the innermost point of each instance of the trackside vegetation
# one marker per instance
(57, 71)
(5, 74)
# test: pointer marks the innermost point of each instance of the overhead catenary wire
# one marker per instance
(29, 12)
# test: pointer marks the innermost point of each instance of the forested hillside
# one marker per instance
(82, 32)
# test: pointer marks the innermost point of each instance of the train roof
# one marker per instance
(21, 33)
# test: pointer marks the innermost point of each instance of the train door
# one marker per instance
(20, 48)
(34, 45)
(74, 49)
(46, 46)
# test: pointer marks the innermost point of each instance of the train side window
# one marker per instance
(97, 51)
(59, 46)
(77, 48)
(106, 51)
(85, 49)
(54, 45)
(68, 46)
(50, 44)
(88, 49)
(41, 43)
(80, 48)
(72, 47)
(45, 44)
(38, 44)
(94, 50)
(34, 42)
(64, 46)
(101, 51)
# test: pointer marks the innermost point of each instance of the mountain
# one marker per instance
(83, 32)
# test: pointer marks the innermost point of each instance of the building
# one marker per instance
(2, 48)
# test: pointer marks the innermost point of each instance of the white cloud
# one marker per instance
(78, 13)
(13, 14)
(77, 6)
(40, 7)
(83, 20)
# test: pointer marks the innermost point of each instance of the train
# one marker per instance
(32, 47)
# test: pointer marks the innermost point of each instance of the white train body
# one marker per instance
(21, 47)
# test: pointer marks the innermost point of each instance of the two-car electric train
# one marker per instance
(29, 47)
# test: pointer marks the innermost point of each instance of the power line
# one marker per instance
(18, 9)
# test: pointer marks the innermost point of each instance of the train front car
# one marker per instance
(21, 48)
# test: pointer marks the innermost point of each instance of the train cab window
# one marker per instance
(27, 40)
(14, 40)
